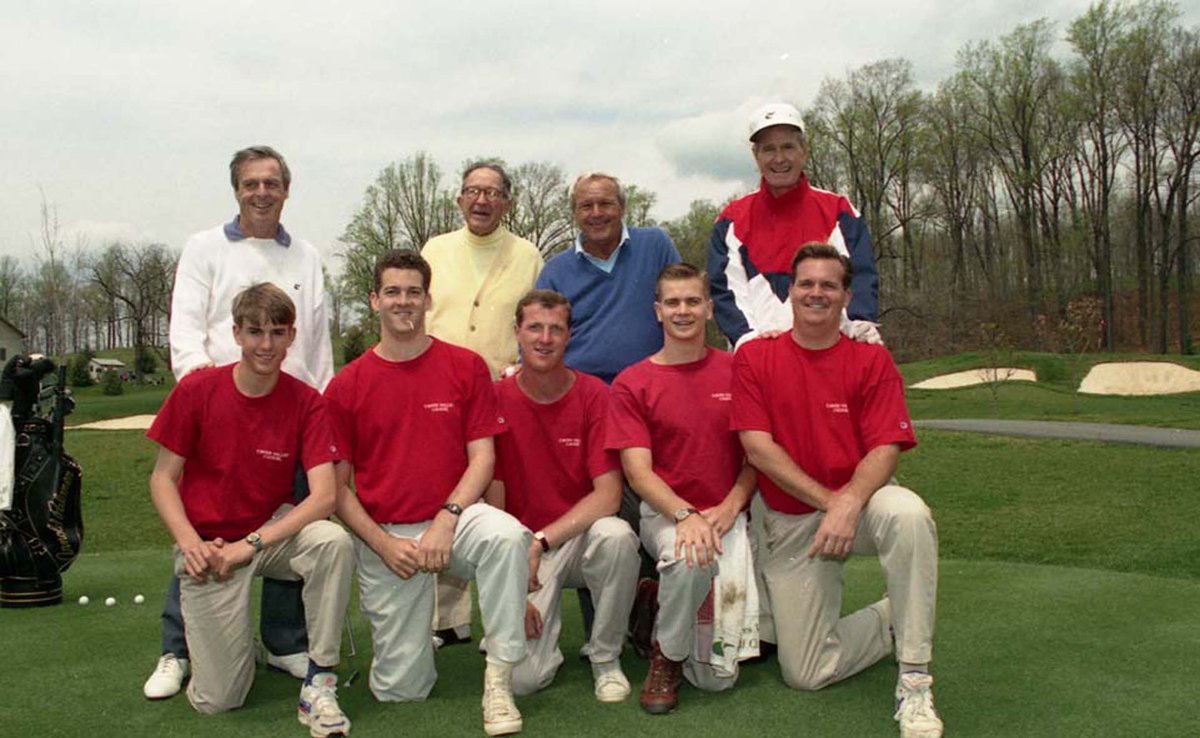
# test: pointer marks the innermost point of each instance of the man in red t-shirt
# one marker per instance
(417, 417)
(554, 475)
(670, 421)
(229, 440)
(823, 419)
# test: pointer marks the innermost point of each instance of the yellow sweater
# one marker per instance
(477, 282)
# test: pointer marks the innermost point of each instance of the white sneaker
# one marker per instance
(611, 684)
(500, 713)
(295, 664)
(914, 706)
(167, 679)
(319, 708)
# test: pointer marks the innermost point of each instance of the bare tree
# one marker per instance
(139, 279)
(540, 210)
(1095, 36)
(1017, 79)
(405, 207)
(638, 203)
(1181, 130)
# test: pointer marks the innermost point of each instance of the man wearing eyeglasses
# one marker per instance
(482, 271)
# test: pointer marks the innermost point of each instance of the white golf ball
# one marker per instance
(84, 600)
(109, 602)
(138, 599)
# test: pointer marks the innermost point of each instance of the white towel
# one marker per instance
(727, 624)
(8, 455)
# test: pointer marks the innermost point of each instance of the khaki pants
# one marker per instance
(816, 646)
(492, 548)
(605, 559)
(217, 614)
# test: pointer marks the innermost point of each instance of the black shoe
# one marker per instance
(450, 637)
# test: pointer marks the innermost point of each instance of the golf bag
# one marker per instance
(41, 534)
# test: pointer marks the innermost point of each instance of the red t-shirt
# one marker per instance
(551, 453)
(681, 413)
(240, 452)
(826, 408)
(405, 426)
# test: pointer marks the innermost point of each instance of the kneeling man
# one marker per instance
(417, 416)
(229, 439)
(823, 419)
(554, 475)
(670, 420)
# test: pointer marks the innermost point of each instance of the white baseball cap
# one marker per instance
(775, 114)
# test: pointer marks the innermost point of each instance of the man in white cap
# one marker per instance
(756, 236)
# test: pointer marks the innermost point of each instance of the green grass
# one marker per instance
(91, 404)
(1070, 573)
(1064, 565)
(1022, 651)
(1118, 507)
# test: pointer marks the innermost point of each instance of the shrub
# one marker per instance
(77, 369)
(113, 384)
(148, 363)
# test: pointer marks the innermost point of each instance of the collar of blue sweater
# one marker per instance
(605, 264)
(233, 231)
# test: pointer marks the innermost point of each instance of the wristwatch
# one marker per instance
(254, 539)
(453, 509)
(682, 513)
(540, 537)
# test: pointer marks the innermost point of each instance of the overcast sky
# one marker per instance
(124, 113)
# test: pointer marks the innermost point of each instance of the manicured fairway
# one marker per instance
(1070, 583)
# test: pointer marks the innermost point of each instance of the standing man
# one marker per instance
(670, 420)
(229, 440)
(214, 267)
(756, 237)
(483, 269)
(609, 278)
(417, 417)
(554, 475)
(823, 419)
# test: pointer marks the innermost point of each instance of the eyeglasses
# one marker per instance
(474, 193)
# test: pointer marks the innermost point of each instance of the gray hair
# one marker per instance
(588, 177)
(253, 153)
(505, 181)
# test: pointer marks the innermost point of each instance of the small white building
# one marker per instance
(97, 367)
(12, 341)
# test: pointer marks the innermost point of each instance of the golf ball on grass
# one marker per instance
(138, 599)
(109, 602)
(84, 600)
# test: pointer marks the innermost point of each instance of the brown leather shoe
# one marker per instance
(660, 692)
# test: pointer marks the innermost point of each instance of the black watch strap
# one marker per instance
(450, 507)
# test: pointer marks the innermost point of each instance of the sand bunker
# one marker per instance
(977, 376)
(132, 422)
(1140, 378)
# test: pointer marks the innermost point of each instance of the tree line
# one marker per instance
(1022, 195)
(1017, 190)
(73, 298)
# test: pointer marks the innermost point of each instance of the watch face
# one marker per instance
(682, 514)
